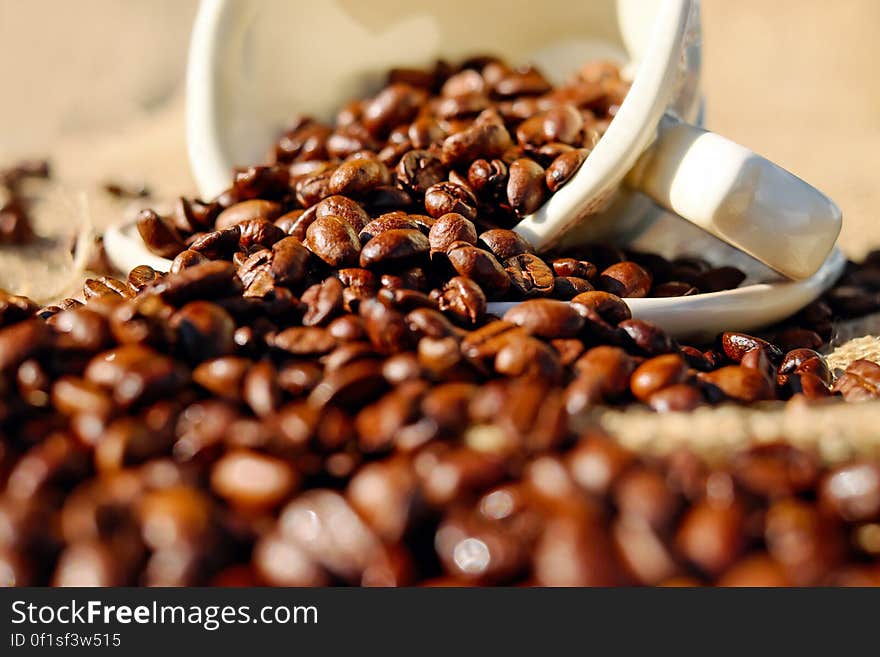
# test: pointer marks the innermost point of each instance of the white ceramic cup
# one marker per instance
(253, 63)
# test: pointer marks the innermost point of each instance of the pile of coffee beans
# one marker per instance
(317, 394)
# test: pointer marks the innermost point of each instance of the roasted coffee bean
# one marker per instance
(602, 375)
(419, 170)
(479, 265)
(312, 189)
(135, 374)
(806, 360)
(530, 275)
(246, 211)
(258, 232)
(568, 287)
(484, 139)
(251, 480)
(398, 247)
(209, 280)
(222, 376)
(742, 384)
(775, 470)
(674, 289)
(504, 243)
(676, 398)
(141, 276)
(608, 306)
(546, 318)
(802, 540)
(758, 570)
(797, 338)
(302, 341)
(22, 341)
(650, 339)
(396, 104)
(260, 389)
(357, 176)
(572, 267)
(718, 279)
(712, 536)
(736, 345)
(656, 374)
(323, 300)
(625, 279)
(463, 299)
(159, 235)
(450, 228)
(334, 241)
(860, 381)
(487, 177)
(563, 168)
(186, 259)
(852, 491)
(389, 221)
(445, 197)
(526, 188)
(562, 123)
(204, 330)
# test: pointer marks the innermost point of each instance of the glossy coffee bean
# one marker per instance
(526, 188)
(480, 266)
(563, 168)
(334, 241)
(445, 197)
(656, 374)
(398, 247)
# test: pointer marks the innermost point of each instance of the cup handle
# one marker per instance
(738, 196)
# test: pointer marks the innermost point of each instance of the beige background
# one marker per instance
(96, 84)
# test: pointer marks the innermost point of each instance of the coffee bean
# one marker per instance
(246, 211)
(526, 189)
(398, 247)
(852, 491)
(479, 265)
(158, 234)
(711, 536)
(650, 339)
(676, 398)
(546, 318)
(736, 345)
(488, 177)
(204, 329)
(450, 228)
(530, 275)
(775, 470)
(260, 389)
(357, 176)
(396, 104)
(333, 240)
(464, 299)
(608, 306)
(419, 170)
(718, 279)
(563, 168)
(324, 301)
(656, 374)
(484, 139)
(740, 384)
(445, 197)
(302, 341)
(251, 480)
(674, 289)
(222, 376)
(860, 381)
(625, 279)
(208, 280)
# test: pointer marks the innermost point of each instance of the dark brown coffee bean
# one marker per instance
(656, 374)
(504, 243)
(676, 398)
(72, 395)
(450, 228)
(711, 536)
(395, 248)
(525, 82)
(385, 326)
(253, 481)
(396, 104)
(141, 276)
(488, 177)
(546, 318)
(323, 301)
(222, 376)
(22, 341)
(258, 232)
(526, 189)
(357, 176)
(562, 123)
(312, 189)
(674, 289)
(217, 245)
(247, 210)
(351, 385)
(135, 374)
(719, 278)
(574, 267)
(484, 139)
(736, 345)
(426, 322)
(389, 221)
(204, 330)
(159, 235)
(608, 306)
(775, 470)
(303, 341)
(418, 170)
(602, 375)
(525, 356)
(741, 384)
(446, 197)
(260, 389)
(186, 259)
(530, 275)
(860, 381)
(334, 241)
(209, 280)
(568, 287)
(802, 540)
(563, 168)
(852, 491)
(481, 266)
(463, 298)
(798, 338)
(625, 279)
(424, 132)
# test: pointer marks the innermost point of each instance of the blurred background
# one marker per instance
(792, 79)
